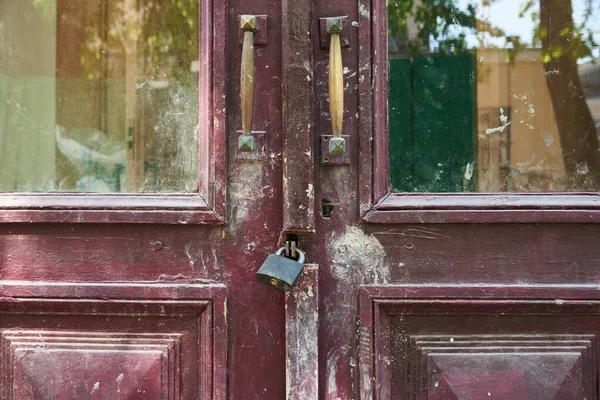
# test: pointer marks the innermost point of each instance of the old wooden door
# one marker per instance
(153, 153)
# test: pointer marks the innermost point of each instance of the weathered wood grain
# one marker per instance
(302, 336)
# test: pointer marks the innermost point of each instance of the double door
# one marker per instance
(155, 153)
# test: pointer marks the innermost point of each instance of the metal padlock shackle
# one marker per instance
(301, 257)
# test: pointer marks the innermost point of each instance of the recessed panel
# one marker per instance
(463, 342)
(502, 366)
(138, 342)
(71, 364)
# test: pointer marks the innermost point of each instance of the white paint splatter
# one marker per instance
(364, 11)
(331, 373)
(497, 129)
(310, 192)
(469, 171)
(95, 387)
(358, 257)
(582, 168)
(189, 256)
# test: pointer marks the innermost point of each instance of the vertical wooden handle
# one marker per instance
(337, 144)
(336, 84)
(248, 25)
(247, 80)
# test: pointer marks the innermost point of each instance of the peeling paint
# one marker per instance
(364, 11)
(497, 129)
(358, 257)
(189, 256)
(331, 373)
(243, 193)
(310, 192)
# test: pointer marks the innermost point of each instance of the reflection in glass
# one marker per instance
(494, 95)
(99, 96)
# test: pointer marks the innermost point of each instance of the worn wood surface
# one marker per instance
(256, 351)
(213, 105)
(157, 241)
(424, 335)
(366, 117)
(141, 341)
(297, 44)
(302, 336)
(378, 52)
(486, 208)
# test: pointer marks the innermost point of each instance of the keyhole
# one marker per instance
(326, 208)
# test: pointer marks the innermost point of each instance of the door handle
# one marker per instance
(246, 141)
(337, 144)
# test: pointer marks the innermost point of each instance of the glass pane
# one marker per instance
(494, 95)
(99, 96)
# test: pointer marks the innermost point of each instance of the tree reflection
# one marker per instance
(451, 27)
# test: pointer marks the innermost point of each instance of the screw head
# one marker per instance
(248, 22)
(246, 143)
(337, 145)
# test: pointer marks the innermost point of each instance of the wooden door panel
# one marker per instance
(476, 342)
(474, 367)
(136, 341)
(63, 364)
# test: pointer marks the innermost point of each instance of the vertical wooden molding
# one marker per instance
(366, 132)
(301, 336)
(297, 44)
(381, 176)
(212, 111)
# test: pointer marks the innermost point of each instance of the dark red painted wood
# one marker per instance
(109, 253)
(297, 46)
(94, 208)
(213, 114)
(113, 340)
(502, 341)
(154, 262)
(378, 51)
(413, 208)
(365, 108)
(339, 185)
(302, 336)
(256, 347)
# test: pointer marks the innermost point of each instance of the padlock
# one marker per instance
(279, 271)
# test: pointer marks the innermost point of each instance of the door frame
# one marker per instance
(380, 205)
(207, 206)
